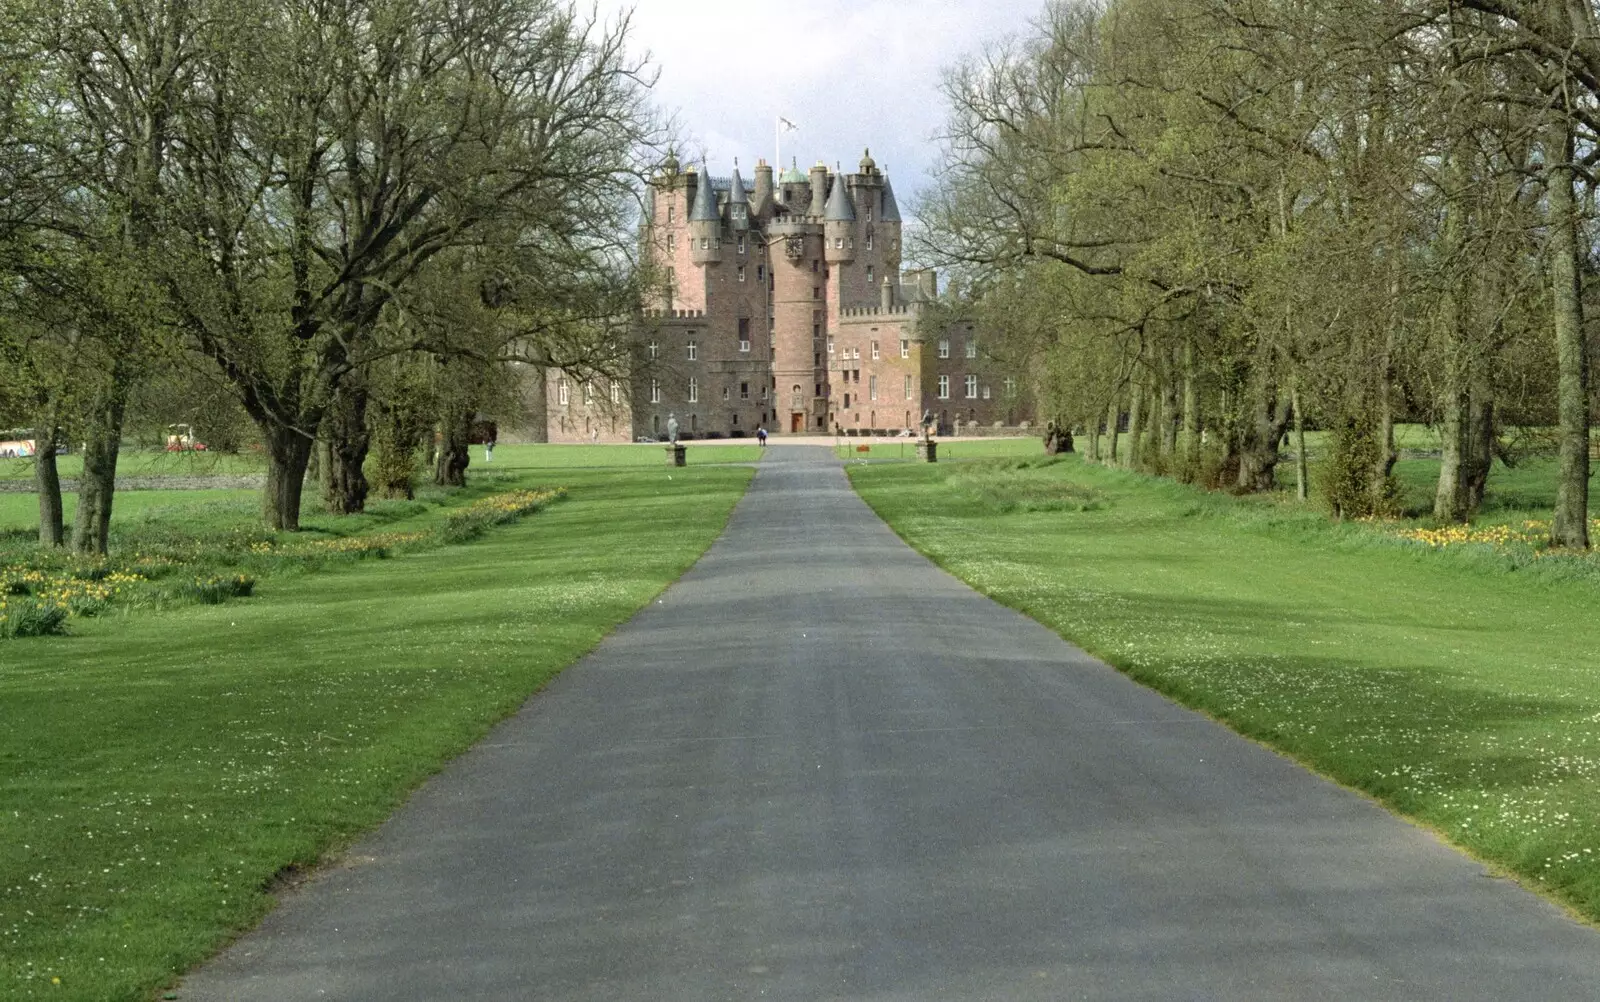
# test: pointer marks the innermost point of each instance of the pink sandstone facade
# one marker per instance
(787, 310)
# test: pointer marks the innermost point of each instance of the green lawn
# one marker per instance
(949, 448)
(136, 463)
(158, 769)
(1458, 691)
(546, 456)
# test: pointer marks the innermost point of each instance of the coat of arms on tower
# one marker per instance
(794, 247)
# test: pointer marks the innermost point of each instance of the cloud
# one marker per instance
(851, 73)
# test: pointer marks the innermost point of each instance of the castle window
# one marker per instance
(563, 396)
(816, 360)
(872, 387)
(724, 394)
(908, 387)
(847, 400)
(869, 213)
(869, 235)
(705, 243)
(838, 243)
(944, 349)
(694, 390)
(830, 346)
(986, 391)
(694, 350)
(874, 351)
(763, 399)
(944, 387)
(855, 352)
(813, 267)
(672, 241)
(744, 333)
(744, 391)
(869, 274)
(741, 273)
(972, 349)
(1011, 386)
(588, 393)
(761, 273)
(741, 245)
(905, 347)
(655, 391)
(816, 292)
(972, 387)
(616, 393)
(655, 349)
(672, 214)
(797, 397)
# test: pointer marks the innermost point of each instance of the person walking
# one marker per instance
(761, 436)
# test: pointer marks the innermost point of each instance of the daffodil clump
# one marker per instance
(473, 520)
(43, 589)
(1533, 533)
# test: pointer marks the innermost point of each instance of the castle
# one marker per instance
(785, 309)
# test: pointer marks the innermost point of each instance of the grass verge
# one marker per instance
(1459, 688)
(158, 771)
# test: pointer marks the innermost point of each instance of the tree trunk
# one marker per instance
(453, 455)
(345, 429)
(1113, 421)
(52, 529)
(1092, 451)
(1447, 498)
(1478, 445)
(288, 453)
(1258, 452)
(1378, 480)
(1191, 415)
(1131, 456)
(91, 524)
(1570, 527)
(1301, 471)
(1169, 408)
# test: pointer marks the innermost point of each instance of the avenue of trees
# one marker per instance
(1210, 220)
(330, 227)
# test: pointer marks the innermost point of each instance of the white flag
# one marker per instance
(788, 126)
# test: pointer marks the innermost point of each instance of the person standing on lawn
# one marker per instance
(761, 435)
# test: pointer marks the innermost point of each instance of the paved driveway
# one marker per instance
(820, 768)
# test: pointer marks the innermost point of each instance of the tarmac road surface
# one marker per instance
(821, 768)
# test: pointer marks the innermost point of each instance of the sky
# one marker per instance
(851, 74)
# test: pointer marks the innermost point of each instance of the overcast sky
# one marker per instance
(850, 73)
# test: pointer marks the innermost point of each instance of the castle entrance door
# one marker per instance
(797, 423)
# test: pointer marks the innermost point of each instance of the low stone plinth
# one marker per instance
(677, 455)
(928, 450)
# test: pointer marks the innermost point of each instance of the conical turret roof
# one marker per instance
(705, 201)
(840, 209)
(891, 211)
(736, 192)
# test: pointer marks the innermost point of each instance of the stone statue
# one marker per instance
(672, 428)
(927, 424)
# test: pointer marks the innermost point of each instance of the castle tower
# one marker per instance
(738, 203)
(839, 224)
(705, 224)
(765, 198)
(798, 312)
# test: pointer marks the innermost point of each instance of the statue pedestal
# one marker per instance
(677, 454)
(928, 450)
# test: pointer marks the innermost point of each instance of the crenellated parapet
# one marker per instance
(900, 312)
(673, 314)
